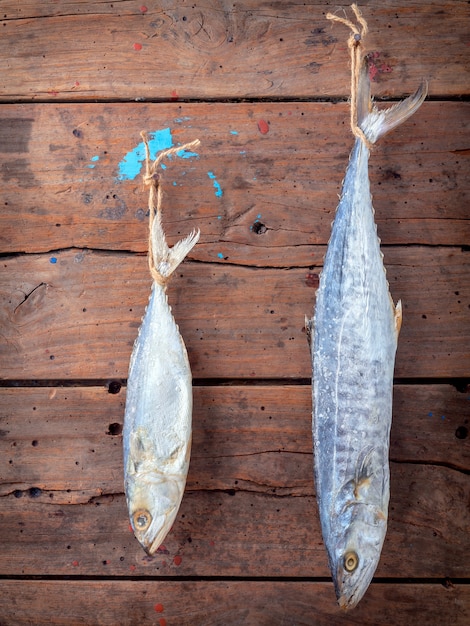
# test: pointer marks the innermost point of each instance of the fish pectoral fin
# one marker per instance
(139, 444)
(398, 317)
(360, 484)
(365, 467)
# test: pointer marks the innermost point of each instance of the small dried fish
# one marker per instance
(157, 422)
(354, 336)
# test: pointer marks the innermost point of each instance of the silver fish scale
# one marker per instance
(157, 392)
(354, 345)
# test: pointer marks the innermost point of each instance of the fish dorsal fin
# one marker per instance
(309, 329)
(398, 317)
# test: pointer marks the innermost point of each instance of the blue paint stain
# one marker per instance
(185, 154)
(234, 132)
(220, 255)
(180, 120)
(242, 151)
(131, 165)
(218, 189)
(429, 414)
(443, 417)
(174, 183)
(94, 159)
(53, 260)
(219, 217)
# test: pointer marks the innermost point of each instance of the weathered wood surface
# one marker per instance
(105, 603)
(263, 189)
(278, 191)
(75, 314)
(169, 50)
(233, 423)
(250, 476)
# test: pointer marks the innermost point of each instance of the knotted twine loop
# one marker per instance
(356, 52)
(152, 179)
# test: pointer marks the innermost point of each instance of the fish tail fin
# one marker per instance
(375, 122)
(163, 260)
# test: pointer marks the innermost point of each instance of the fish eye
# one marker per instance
(142, 519)
(350, 561)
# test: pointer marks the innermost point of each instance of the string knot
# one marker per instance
(151, 178)
(357, 56)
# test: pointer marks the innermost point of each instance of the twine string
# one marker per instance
(356, 53)
(152, 180)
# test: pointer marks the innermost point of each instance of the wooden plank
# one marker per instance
(212, 603)
(74, 315)
(60, 168)
(255, 438)
(236, 533)
(221, 50)
(249, 508)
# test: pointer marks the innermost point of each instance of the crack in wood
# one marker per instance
(450, 466)
(27, 295)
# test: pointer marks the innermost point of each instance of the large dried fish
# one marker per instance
(354, 336)
(157, 422)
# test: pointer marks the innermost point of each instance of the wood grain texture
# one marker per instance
(250, 477)
(75, 314)
(263, 85)
(226, 604)
(252, 438)
(222, 50)
(60, 167)
(236, 533)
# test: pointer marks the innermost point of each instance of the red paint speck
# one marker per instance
(162, 621)
(53, 92)
(137, 46)
(132, 568)
(373, 71)
(312, 280)
(211, 543)
(75, 563)
(177, 560)
(263, 127)
(174, 95)
(131, 529)
(376, 67)
(143, 9)
(159, 608)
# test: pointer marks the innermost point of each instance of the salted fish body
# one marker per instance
(354, 336)
(158, 414)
